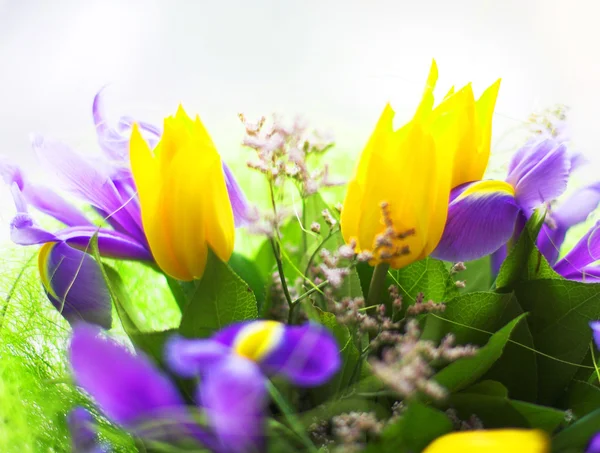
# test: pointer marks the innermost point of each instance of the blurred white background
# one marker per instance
(335, 62)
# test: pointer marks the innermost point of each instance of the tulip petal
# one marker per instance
(91, 181)
(307, 355)
(577, 264)
(539, 172)
(190, 358)
(75, 285)
(481, 218)
(491, 441)
(233, 394)
(595, 325)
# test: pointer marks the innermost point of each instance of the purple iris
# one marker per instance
(83, 432)
(106, 184)
(595, 325)
(233, 366)
(74, 283)
(594, 445)
(578, 263)
(130, 390)
(483, 216)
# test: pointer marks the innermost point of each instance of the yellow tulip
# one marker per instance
(411, 171)
(492, 441)
(183, 197)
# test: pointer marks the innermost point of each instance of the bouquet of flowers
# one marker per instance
(431, 310)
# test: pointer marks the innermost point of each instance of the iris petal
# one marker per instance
(576, 265)
(189, 358)
(91, 181)
(42, 198)
(75, 284)
(594, 445)
(307, 355)
(142, 399)
(481, 218)
(233, 394)
(539, 172)
(595, 325)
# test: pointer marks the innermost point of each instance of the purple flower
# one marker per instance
(74, 283)
(595, 325)
(131, 391)
(103, 182)
(485, 215)
(234, 365)
(578, 263)
(83, 432)
(594, 445)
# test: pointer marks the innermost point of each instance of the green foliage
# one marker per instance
(218, 299)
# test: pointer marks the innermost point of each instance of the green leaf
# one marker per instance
(248, 271)
(219, 299)
(349, 371)
(472, 318)
(560, 311)
(540, 417)
(428, 276)
(464, 372)
(477, 276)
(525, 262)
(576, 437)
(582, 398)
(418, 426)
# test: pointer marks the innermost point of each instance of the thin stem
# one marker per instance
(594, 361)
(286, 291)
(377, 284)
(291, 418)
(304, 236)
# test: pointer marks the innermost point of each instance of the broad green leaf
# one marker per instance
(540, 417)
(477, 276)
(418, 426)
(428, 276)
(471, 318)
(582, 398)
(497, 411)
(464, 372)
(218, 299)
(350, 371)
(576, 437)
(560, 311)
(524, 261)
(248, 272)
(489, 388)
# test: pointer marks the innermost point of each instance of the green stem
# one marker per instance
(286, 291)
(293, 421)
(377, 284)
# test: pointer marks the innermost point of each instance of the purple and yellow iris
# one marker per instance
(74, 283)
(234, 366)
(106, 184)
(484, 215)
